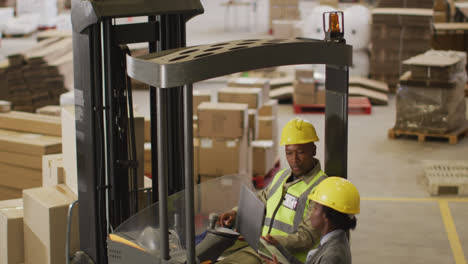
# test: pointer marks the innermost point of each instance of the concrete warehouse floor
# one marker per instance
(399, 221)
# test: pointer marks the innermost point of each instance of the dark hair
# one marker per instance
(339, 220)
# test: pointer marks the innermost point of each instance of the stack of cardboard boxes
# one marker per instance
(398, 34)
(224, 147)
(24, 139)
(37, 77)
(284, 15)
(306, 92)
(431, 95)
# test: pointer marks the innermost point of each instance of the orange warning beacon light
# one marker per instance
(335, 30)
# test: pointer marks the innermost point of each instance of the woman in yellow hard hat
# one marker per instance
(336, 202)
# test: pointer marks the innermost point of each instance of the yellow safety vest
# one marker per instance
(285, 212)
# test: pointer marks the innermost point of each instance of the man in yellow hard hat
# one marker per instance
(336, 201)
(286, 197)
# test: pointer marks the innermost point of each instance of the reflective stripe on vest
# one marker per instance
(287, 220)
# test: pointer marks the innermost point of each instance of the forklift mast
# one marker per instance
(104, 113)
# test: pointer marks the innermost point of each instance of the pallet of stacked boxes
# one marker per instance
(396, 35)
(224, 148)
(37, 77)
(306, 92)
(24, 139)
(284, 10)
(223, 129)
(430, 98)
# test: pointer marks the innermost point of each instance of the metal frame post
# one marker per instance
(188, 158)
(336, 121)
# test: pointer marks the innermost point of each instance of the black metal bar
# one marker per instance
(336, 121)
(163, 161)
(189, 191)
(136, 33)
(153, 47)
(89, 142)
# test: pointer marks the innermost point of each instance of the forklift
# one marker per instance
(105, 137)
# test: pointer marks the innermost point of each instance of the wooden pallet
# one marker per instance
(356, 105)
(446, 176)
(18, 35)
(452, 137)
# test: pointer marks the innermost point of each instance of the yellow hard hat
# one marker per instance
(298, 131)
(337, 193)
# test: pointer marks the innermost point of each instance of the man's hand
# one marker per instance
(227, 219)
(270, 240)
(271, 261)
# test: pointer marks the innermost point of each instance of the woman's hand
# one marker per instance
(270, 240)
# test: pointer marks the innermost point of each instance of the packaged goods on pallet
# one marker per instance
(450, 36)
(430, 97)
(47, 10)
(396, 35)
(306, 92)
(21, 151)
(269, 108)
(284, 10)
(223, 120)
(11, 235)
(8, 3)
(45, 224)
(406, 3)
(38, 76)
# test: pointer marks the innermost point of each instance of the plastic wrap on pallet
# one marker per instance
(431, 109)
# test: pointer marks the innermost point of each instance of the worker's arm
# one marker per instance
(228, 218)
(304, 239)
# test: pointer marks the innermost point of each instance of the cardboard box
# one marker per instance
(249, 82)
(196, 154)
(19, 177)
(29, 144)
(200, 96)
(318, 98)
(45, 222)
(276, 12)
(304, 75)
(224, 120)
(8, 193)
(251, 96)
(263, 156)
(253, 124)
(218, 194)
(222, 156)
(51, 110)
(147, 130)
(269, 108)
(53, 172)
(69, 148)
(267, 128)
(31, 123)
(304, 88)
(11, 231)
(22, 160)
